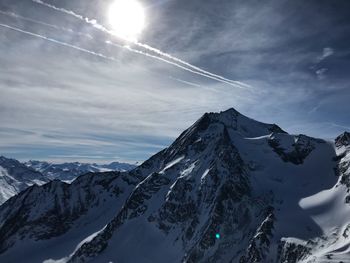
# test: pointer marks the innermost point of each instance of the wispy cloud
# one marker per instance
(320, 70)
(58, 101)
(327, 52)
(321, 73)
(97, 107)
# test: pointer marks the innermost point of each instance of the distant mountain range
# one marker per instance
(229, 189)
(16, 176)
(69, 171)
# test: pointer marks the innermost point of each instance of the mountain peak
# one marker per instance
(230, 111)
(243, 125)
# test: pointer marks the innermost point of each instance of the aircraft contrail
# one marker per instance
(98, 26)
(159, 52)
(11, 14)
(100, 54)
(171, 63)
(107, 42)
(58, 42)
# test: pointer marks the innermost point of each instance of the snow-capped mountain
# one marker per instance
(229, 189)
(15, 177)
(69, 171)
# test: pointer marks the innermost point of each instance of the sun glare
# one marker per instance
(127, 18)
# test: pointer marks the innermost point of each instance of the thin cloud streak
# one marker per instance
(215, 76)
(169, 62)
(186, 82)
(69, 30)
(100, 27)
(57, 42)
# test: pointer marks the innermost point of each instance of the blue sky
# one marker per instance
(58, 103)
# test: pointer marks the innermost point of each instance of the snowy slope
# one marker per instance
(229, 189)
(15, 177)
(69, 171)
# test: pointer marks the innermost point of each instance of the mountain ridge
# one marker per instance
(16, 176)
(68, 171)
(252, 184)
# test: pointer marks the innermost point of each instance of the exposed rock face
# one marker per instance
(343, 139)
(342, 143)
(229, 189)
(296, 149)
(260, 243)
(290, 252)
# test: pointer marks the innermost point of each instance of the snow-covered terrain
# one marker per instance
(69, 171)
(229, 189)
(15, 177)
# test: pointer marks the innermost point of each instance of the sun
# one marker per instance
(127, 18)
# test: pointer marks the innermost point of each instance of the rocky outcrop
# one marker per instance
(259, 245)
(343, 140)
(292, 252)
(295, 151)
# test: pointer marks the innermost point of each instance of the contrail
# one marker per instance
(100, 27)
(171, 63)
(58, 42)
(186, 82)
(99, 54)
(159, 52)
(92, 22)
(110, 43)
(43, 23)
